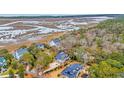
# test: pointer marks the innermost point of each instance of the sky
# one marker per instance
(61, 6)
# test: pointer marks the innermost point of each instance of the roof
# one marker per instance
(72, 70)
(20, 52)
(61, 56)
(2, 61)
(56, 41)
(40, 45)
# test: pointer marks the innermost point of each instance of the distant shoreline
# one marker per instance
(56, 16)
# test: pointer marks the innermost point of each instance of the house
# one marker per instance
(19, 53)
(72, 71)
(40, 46)
(55, 42)
(2, 61)
(62, 57)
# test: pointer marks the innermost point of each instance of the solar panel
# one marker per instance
(72, 70)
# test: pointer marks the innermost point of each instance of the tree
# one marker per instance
(21, 71)
(33, 49)
(14, 64)
(9, 58)
(76, 53)
(81, 32)
(11, 73)
(27, 57)
(100, 55)
(117, 56)
(113, 26)
(69, 42)
(79, 52)
(114, 63)
(106, 69)
(98, 42)
(43, 59)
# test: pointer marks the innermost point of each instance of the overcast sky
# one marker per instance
(61, 6)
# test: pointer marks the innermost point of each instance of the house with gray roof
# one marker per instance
(19, 53)
(40, 46)
(61, 57)
(72, 71)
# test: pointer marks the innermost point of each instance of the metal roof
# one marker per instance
(61, 56)
(20, 52)
(2, 61)
(40, 45)
(72, 70)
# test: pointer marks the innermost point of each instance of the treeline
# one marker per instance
(102, 48)
(63, 16)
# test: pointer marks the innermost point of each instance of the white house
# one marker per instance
(55, 42)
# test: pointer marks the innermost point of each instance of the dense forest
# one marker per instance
(101, 47)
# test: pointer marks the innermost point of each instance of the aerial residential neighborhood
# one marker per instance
(79, 46)
(52, 46)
